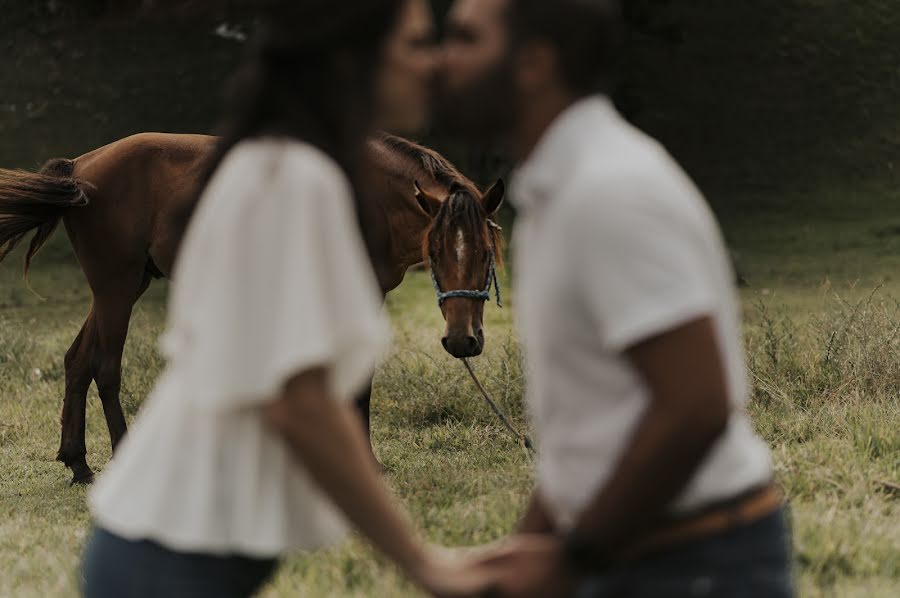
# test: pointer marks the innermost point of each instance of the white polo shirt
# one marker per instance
(615, 245)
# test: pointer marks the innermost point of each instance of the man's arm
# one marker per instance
(687, 413)
(536, 519)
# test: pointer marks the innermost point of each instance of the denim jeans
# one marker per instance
(114, 567)
(752, 561)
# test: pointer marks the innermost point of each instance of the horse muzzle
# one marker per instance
(464, 345)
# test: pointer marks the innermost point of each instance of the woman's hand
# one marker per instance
(445, 573)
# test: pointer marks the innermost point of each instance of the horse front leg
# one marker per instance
(72, 451)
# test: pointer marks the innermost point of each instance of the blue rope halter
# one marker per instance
(483, 295)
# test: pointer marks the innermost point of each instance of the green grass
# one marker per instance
(786, 112)
(462, 478)
(824, 349)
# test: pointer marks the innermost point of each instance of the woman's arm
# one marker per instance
(328, 439)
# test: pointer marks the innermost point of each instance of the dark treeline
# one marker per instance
(752, 97)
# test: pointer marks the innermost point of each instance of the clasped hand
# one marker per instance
(520, 566)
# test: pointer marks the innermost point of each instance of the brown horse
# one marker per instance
(116, 203)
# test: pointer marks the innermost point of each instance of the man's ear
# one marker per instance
(429, 203)
(493, 197)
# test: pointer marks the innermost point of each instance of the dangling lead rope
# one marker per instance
(525, 440)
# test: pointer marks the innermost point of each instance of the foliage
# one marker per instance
(771, 95)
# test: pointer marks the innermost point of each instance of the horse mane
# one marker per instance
(435, 165)
(463, 209)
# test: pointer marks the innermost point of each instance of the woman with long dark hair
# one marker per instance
(248, 446)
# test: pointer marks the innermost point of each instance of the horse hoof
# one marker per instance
(82, 480)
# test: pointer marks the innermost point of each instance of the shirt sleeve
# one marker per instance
(641, 265)
(284, 285)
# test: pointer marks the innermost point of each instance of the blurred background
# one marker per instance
(785, 112)
(754, 98)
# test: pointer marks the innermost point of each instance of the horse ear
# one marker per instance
(429, 203)
(493, 197)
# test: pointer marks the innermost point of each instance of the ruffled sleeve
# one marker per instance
(274, 280)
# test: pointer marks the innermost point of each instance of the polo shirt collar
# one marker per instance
(536, 177)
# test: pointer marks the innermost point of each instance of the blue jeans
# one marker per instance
(753, 561)
(114, 567)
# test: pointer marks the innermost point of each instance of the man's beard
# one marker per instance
(486, 111)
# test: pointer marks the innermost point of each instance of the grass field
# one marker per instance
(823, 337)
(787, 109)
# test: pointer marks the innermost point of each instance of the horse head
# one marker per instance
(463, 247)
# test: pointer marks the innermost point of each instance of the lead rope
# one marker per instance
(525, 440)
(499, 228)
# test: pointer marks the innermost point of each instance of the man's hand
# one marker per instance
(529, 566)
(536, 519)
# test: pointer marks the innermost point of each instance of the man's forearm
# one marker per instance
(688, 410)
(536, 519)
(665, 451)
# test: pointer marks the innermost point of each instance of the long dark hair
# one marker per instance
(309, 74)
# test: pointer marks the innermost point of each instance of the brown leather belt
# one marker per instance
(744, 510)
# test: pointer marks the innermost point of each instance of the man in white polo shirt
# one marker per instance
(651, 481)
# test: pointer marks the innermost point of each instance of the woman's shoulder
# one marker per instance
(291, 161)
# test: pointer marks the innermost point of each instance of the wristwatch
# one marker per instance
(585, 554)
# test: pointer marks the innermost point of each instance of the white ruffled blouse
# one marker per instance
(272, 280)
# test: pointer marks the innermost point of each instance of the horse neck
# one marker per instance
(406, 226)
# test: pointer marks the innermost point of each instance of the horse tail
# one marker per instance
(36, 201)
